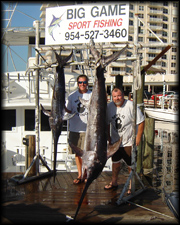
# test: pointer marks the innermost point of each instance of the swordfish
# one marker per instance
(57, 113)
(96, 152)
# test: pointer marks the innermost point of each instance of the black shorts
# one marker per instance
(123, 153)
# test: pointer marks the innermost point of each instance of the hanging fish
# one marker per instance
(57, 113)
(96, 152)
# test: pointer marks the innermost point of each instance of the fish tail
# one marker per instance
(62, 62)
(82, 197)
(104, 60)
(114, 56)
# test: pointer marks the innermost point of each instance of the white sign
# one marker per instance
(78, 23)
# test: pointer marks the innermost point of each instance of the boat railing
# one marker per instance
(20, 86)
(170, 101)
(166, 136)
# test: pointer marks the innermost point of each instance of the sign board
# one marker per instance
(74, 24)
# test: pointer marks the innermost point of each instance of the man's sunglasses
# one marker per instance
(80, 82)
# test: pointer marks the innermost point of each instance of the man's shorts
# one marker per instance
(76, 139)
(123, 153)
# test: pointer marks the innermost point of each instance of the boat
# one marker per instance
(18, 108)
(19, 103)
(162, 114)
(168, 115)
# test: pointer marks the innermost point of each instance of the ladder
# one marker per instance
(9, 14)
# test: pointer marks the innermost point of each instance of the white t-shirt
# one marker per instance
(121, 119)
(78, 122)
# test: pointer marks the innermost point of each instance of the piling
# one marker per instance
(148, 154)
(31, 154)
(140, 102)
(30, 142)
(119, 81)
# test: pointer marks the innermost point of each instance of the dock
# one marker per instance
(45, 202)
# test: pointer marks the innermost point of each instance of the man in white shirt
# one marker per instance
(78, 123)
(120, 116)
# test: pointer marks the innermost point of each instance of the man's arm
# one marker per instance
(139, 133)
(67, 110)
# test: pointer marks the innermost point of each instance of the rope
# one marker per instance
(149, 209)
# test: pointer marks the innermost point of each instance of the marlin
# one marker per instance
(54, 23)
(57, 114)
(96, 151)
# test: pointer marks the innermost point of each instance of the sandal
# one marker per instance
(77, 181)
(110, 187)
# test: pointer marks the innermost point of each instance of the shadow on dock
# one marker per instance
(46, 202)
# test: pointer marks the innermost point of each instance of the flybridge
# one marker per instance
(97, 11)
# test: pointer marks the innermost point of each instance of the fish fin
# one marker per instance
(113, 57)
(77, 150)
(54, 18)
(84, 102)
(68, 116)
(46, 112)
(113, 148)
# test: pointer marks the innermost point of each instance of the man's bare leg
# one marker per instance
(129, 190)
(115, 172)
(79, 167)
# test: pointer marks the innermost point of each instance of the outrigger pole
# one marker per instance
(133, 172)
(37, 157)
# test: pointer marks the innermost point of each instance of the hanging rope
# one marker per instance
(137, 79)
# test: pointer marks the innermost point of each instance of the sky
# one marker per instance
(19, 19)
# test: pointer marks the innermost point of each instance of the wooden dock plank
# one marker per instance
(43, 201)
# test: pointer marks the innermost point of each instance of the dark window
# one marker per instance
(165, 26)
(29, 119)
(44, 122)
(8, 119)
(64, 128)
(165, 11)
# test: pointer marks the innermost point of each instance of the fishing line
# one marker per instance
(26, 15)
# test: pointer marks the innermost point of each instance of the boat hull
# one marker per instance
(162, 114)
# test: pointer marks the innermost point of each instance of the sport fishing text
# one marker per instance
(96, 24)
